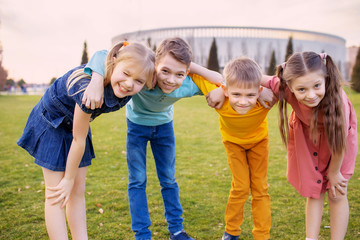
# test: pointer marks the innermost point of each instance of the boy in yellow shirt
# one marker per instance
(244, 130)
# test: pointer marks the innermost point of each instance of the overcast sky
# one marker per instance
(42, 39)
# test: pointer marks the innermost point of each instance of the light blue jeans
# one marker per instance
(162, 142)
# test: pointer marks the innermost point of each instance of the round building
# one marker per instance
(256, 43)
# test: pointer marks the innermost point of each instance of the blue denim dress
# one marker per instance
(48, 132)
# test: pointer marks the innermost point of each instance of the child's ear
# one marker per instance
(289, 86)
(260, 89)
(226, 93)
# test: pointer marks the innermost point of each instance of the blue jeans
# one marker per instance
(162, 142)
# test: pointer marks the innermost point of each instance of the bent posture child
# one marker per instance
(58, 136)
(244, 131)
(321, 137)
(149, 119)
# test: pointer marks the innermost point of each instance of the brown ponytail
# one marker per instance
(332, 107)
(283, 123)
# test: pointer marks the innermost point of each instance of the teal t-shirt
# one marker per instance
(148, 107)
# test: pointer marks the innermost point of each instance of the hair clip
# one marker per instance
(323, 55)
(125, 43)
(283, 65)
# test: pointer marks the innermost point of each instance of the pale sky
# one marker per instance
(42, 39)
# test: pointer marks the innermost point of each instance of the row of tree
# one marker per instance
(6, 84)
(212, 64)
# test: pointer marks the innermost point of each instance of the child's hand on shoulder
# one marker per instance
(94, 94)
(267, 98)
(216, 98)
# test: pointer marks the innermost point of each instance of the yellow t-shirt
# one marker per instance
(249, 128)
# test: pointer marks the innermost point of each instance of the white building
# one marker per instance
(255, 42)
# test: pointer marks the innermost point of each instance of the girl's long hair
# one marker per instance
(331, 106)
(134, 52)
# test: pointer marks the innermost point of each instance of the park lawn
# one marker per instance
(202, 173)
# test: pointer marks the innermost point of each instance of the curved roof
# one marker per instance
(257, 32)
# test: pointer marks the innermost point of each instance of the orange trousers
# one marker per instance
(248, 164)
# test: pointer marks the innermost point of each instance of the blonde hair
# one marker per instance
(298, 65)
(242, 71)
(134, 53)
(76, 76)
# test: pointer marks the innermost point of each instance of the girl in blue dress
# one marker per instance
(58, 136)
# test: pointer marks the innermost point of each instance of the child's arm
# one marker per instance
(336, 179)
(94, 93)
(267, 98)
(265, 79)
(216, 98)
(80, 131)
(209, 75)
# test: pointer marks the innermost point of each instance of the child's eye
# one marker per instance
(126, 73)
(165, 71)
(301, 89)
(138, 81)
(317, 85)
(180, 75)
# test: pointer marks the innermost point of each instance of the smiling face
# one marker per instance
(127, 79)
(242, 98)
(309, 89)
(170, 73)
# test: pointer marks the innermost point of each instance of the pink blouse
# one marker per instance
(308, 162)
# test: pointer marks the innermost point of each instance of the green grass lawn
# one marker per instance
(201, 169)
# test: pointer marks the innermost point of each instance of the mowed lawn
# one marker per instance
(202, 173)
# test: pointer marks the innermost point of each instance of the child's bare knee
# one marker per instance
(338, 197)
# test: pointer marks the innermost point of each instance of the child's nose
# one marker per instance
(242, 100)
(171, 79)
(311, 94)
(129, 83)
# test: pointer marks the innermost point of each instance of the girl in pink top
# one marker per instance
(320, 135)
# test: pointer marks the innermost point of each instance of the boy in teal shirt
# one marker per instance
(149, 118)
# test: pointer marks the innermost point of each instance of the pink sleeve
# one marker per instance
(349, 112)
(273, 84)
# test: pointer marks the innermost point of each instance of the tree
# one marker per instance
(272, 65)
(289, 48)
(213, 62)
(21, 83)
(355, 76)
(3, 77)
(52, 80)
(149, 42)
(84, 58)
(9, 83)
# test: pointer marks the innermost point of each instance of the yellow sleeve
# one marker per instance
(204, 85)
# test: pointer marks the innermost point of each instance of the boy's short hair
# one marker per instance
(242, 71)
(177, 48)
